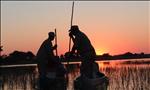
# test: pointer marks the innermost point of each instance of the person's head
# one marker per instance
(74, 29)
(51, 35)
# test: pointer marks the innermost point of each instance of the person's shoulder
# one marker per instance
(82, 34)
(47, 40)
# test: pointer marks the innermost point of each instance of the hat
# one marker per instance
(51, 34)
(74, 27)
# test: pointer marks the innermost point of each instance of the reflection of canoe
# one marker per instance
(58, 83)
(84, 83)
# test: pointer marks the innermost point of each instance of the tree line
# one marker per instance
(20, 57)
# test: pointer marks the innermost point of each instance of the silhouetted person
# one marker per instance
(85, 49)
(44, 55)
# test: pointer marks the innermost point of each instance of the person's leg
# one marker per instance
(86, 68)
(42, 79)
(42, 83)
(90, 69)
(87, 63)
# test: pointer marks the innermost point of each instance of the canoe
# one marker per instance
(84, 83)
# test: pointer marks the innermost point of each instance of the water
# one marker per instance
(127, 76)
(123, 75)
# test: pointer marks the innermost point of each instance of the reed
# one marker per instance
(122, 77)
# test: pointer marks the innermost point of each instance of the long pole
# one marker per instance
(71, 24)
(56, 41)
(70, 39)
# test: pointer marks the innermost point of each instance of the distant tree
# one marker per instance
(4, 56)
(29, 55)
(1, 50)
(128, 54)
(106, 55)
(142, 53)
(19, 56)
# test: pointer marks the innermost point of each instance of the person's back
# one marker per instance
(83, 44)
(87, 52)
(44, 50)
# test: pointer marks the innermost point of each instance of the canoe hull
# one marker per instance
(83, 83)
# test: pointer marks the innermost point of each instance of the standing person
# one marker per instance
(44, 55)
(85, 49)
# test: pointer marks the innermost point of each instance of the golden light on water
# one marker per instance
(103, 64)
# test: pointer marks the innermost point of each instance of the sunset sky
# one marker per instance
(114, 27)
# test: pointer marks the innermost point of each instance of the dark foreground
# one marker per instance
(122, 76)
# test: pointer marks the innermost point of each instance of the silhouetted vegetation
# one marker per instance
(1, 48)
(107, 56)
(19, 57)
(127, 55)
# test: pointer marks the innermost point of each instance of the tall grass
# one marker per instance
(121, 76)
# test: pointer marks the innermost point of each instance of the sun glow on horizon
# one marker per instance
(25, 25)
(100, 52)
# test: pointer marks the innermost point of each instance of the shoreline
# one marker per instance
(127, 61)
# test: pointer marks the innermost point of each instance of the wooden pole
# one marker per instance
(56, 41)
(71, 24)
(70, 40)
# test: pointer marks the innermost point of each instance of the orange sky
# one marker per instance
(113, 27)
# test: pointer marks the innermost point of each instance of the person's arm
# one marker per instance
(51, 55)
(49, 49)
(54, 47)
(74, 46)
(73, 49)
(71, 36)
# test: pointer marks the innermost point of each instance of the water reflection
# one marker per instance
(22, 78)
(126, 76)
(122, 76)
